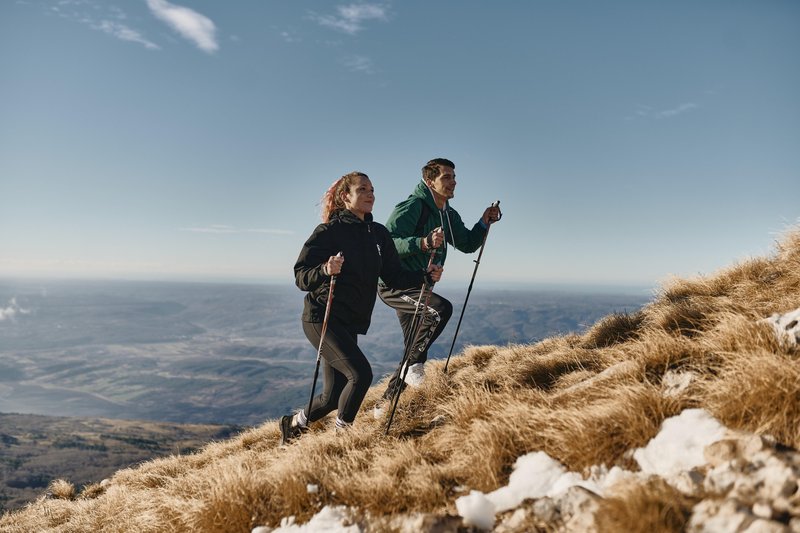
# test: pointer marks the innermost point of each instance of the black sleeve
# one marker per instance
(308, 270)
(392, 272)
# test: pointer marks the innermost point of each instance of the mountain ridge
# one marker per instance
(584, 400)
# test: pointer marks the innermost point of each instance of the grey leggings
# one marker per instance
(346, 373)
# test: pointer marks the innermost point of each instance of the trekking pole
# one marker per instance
(413, 334)
(469, 290)
(322, 339)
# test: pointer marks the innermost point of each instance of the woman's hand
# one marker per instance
(334, 265)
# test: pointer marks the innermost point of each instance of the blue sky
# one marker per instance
(628, 141)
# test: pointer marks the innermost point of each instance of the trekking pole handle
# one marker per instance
(497, 205)
(333, 276)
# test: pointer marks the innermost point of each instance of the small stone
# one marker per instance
(689, 483)
(751, 445)
(778, 480)
(430, 523)
(765, 526)
(786, 327)
(675, 383)
(746, 488)
(578, 506)
(720, 452)
(711, 516)
(437, 421)
(762, 510)
(545, 509)
(516, 519)
(720, 480)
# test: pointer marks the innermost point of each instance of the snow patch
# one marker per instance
(679, 445)
(331, 519)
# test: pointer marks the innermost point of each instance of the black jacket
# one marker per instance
(369, 253)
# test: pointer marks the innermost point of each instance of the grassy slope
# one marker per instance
(34, 448)
(584, 400)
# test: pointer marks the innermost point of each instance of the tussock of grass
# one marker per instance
(653, 507)
(61, 489)
(583, 399)
(758, 391)
(614, 329)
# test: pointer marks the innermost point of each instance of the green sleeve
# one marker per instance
(401, 225)
(466, 240)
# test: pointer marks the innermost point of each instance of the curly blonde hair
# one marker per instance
(332, 199)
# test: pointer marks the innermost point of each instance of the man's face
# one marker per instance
(445, 183)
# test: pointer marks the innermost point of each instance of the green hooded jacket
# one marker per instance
(403, 221)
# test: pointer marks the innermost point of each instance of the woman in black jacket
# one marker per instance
(367, 253)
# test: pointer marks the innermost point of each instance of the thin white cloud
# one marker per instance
(648, 112)
(683, 108)
(350, 18)
(74, 3)
(219, 229)
(289, 37)
(190, 24)
(358, 64)
(123, 32)
(101, 17)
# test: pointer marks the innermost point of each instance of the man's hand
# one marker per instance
(432, 240)
(492, 214)
(435, 273)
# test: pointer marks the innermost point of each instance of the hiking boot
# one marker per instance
(288, 432)
(415, 375)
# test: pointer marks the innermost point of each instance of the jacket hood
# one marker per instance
(422, 191)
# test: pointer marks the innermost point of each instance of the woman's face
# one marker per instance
(360, 197)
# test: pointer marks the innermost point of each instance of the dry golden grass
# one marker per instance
(583, 399)
(654, 507)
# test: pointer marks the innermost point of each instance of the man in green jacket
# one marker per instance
(419, 225)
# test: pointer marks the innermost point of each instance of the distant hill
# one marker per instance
(585, 404)
(35, 450)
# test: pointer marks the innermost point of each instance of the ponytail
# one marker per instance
(331, 201)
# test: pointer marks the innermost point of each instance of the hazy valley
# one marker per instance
(215, 353)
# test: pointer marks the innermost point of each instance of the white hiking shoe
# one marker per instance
(415, 375)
